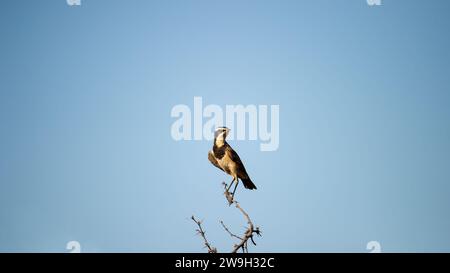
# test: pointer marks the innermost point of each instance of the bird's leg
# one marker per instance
(229, 187)
(235, 186)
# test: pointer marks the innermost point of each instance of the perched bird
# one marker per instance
(225, 158)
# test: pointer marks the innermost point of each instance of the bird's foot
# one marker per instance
(228, 195)
(229, 198)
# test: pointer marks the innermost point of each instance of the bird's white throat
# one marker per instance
(219, 141)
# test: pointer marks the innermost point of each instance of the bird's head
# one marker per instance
(221, 134)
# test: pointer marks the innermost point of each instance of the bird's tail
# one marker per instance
(248, 184)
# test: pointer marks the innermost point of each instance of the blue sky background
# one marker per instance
(86, 152)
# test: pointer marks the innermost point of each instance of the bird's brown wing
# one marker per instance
(241, 172)
(213, 160)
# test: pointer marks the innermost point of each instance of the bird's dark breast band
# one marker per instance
(219, 152)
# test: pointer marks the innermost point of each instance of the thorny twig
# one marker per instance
(202, 233)
(229, 232)
(248, 235)
(250, 230)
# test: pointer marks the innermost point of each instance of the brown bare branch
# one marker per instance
(229, 232)
(248, 235)
(202, 234)
(250, 230)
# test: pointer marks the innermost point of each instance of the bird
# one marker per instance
(226, 159)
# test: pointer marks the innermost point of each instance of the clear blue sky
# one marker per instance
(86, 152)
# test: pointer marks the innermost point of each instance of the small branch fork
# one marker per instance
(248, 235)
